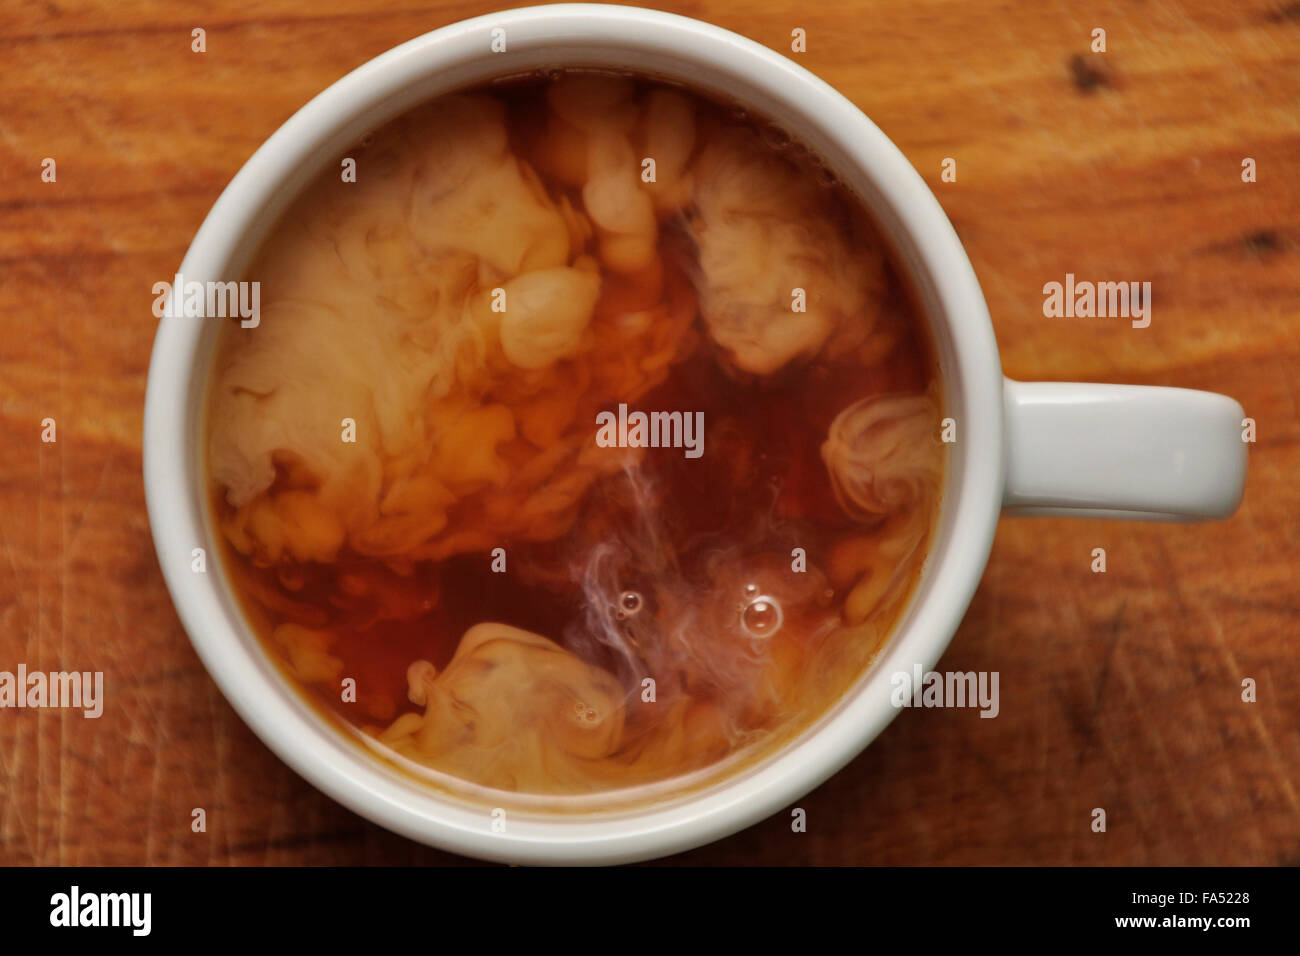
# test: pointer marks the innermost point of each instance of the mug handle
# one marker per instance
(1121, 451)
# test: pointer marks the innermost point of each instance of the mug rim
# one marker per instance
(971, 378)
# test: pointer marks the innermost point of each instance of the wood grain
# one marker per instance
(1119, 690)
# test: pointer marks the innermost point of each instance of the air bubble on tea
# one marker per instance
(777, 139)
(825, 176)
(762, 617)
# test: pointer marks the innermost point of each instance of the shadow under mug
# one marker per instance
(1039, 448)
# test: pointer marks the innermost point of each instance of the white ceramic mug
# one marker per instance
(1040, 448)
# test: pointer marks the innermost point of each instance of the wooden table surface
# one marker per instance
(1119, 690)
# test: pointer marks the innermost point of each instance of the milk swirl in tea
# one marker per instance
(452, 466)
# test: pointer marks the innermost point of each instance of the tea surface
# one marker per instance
(586, 439)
